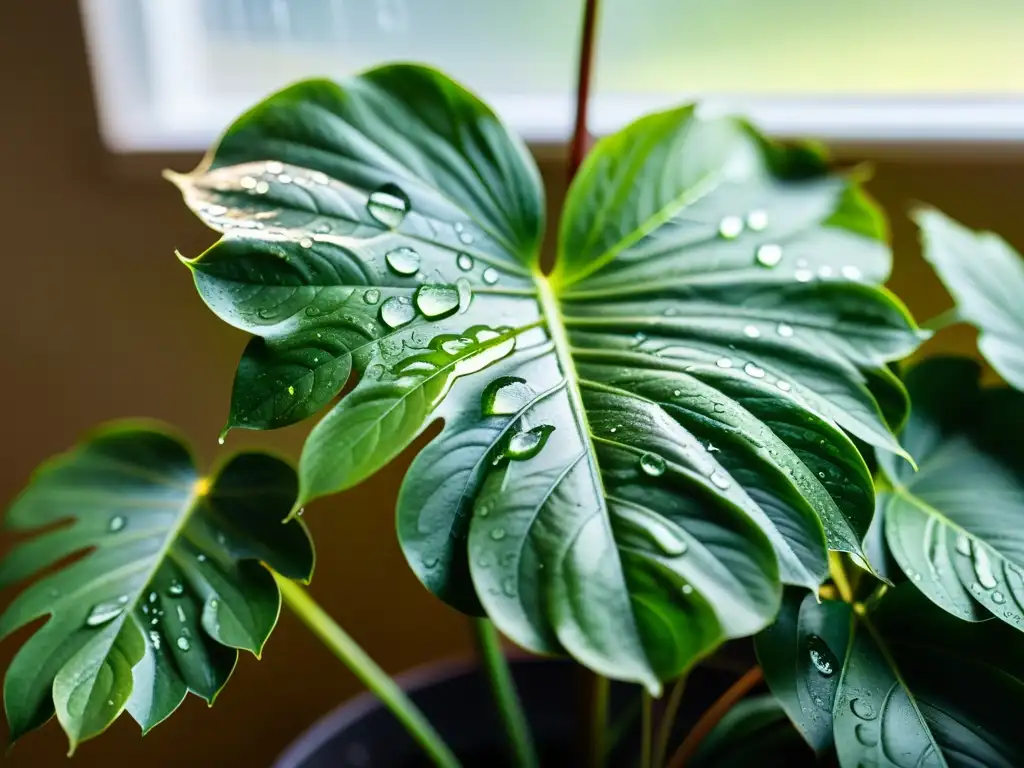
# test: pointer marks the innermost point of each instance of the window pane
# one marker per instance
(171, 73)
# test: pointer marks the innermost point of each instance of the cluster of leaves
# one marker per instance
(644, 453)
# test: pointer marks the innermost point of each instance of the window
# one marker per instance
(170, 74)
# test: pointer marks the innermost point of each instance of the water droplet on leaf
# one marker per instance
(403, 261)
(117, 522)
(498, 534)
(730, 227)
(465, 262)
(176, 589)
(505, 396)
(724, 362)
(784, 330)
(863, 709)
(867, 736)
(437, 300)
(751, 332)
(753, 371)
(490, 275)
(768, 255)
(785, 386)
(397, 311)
(183, 643)
(803, 275)
(526, 445)
(652, 464)
(821, 656)
(851, 273)
(102, 613)
(757, 220)
(388, 205)
(720, 479)
(372, 296)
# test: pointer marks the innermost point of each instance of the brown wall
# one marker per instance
(100, 321)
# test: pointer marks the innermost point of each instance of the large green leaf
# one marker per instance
(956, 527)
(985, 275)
(913, 687)
(634, 448)
(169, 582)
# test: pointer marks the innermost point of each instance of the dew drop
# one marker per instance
(490, 275)
(963, 545)
(102, 613)
(215, 210)
(152, 597)
(785, 386)
(183, 643)
(676, 392)
(851, 273)
(866, 735)
(388, 205)
(284, 178)
(117, 522)
(123, 599)
(291, 391)
(821, 656)
(247, 182)
(273, 167)
(319, 177)
(508, 586)
(372, 296)
(526, 445)
(403, 261)
(201, 558)
(825, 272)
(768, 255)
(711, 448)
(498, 534)
(998, 597)
(154, 638)
(437, 300)
(803, 275)
(757, 220)
(465, 237)
(720, 479)
(652, 464)
(687, 589)
(397, 311)
(181, 614)
(262, 188)
(176, 589)
(863, 709)
(724, 362)
(983, 568)
(753, 371)
(751, 332)
(730, 227)
(465, 262)
(306, 242)
(784, 330)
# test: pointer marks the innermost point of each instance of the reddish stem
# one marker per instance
(713, 715)
(580, 138)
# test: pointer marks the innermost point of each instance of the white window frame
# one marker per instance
(182, 119)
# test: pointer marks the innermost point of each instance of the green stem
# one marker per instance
(646, 729)
(838, 572)
(599, 720)
(496, 666)
(943, 320)
(363, 667)
(668, 720)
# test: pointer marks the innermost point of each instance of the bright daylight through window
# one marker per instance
(170, 73)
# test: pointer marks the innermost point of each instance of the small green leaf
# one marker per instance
(804, 675)
(985, 276)
(169, 582)
(917, 687)
(954, 527)
(636, 448)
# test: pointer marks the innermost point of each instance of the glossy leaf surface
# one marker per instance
(985, 276)
(635, 448)
(169, 581)
(917, 687)
(956, 527)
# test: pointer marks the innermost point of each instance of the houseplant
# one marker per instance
(639, 449)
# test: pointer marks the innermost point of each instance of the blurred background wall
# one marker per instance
(100, 321)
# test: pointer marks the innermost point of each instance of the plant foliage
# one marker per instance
(170, 580)
(637, 448)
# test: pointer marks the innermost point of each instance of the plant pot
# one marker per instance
(456, 698)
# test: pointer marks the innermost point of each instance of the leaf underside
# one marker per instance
(904, 685)
(635, 448)
(169, 580)
(955, 527)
